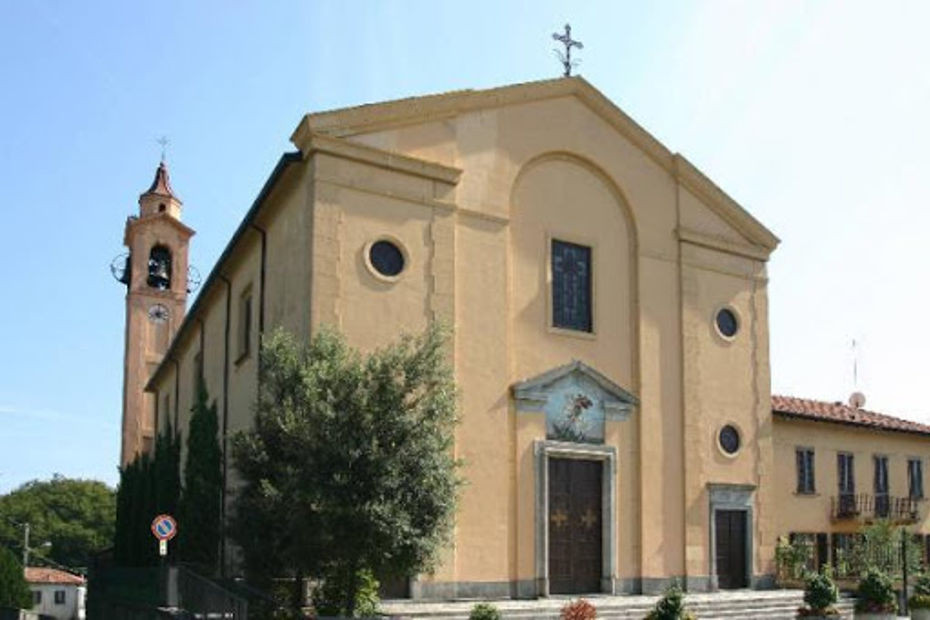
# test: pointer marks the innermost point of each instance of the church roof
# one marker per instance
(161, 184)
(372, 117)
(840, 413)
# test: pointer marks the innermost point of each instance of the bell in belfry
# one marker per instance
(160, 268)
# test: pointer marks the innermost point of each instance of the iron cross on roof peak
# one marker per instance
(163, 141)
(566, 39)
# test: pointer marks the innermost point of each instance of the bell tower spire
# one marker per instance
(155, 275)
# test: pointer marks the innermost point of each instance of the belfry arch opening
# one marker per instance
(160, 268)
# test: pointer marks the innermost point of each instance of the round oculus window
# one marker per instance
(729, 439)
(727, 323)
(386, 258)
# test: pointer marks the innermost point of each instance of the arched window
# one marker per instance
(160, 268)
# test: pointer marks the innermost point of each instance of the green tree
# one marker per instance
(148, 486)
(14, 591)
(349, 466)
(199, 528)
(76, 516)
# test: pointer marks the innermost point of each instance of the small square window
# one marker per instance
(571, 286)
(59, 597)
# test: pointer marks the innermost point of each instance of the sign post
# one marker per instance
(164, 528)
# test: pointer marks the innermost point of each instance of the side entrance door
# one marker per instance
(730, 530)
(575, 526)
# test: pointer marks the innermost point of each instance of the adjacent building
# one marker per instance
(611, 342)
(56, 593)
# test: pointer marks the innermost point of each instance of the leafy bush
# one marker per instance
(919, 601)
(579, 610)
(922, 585)
(484, 611)
(329, 597)
(876, 593)
(790, 559)
(671, 606)
(820, 593)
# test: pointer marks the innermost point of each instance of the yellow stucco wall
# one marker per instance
(812, 513)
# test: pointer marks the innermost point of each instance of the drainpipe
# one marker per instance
(225, 424)
(177, 391)
(261, 298)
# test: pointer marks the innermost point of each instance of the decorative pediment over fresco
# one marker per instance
(577, 400)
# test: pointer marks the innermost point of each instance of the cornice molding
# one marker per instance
(686, 235)
(309, 142)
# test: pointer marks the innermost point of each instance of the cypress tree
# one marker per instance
(14, 591)
(199, 525)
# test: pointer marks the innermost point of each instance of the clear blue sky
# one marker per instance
(812, 115)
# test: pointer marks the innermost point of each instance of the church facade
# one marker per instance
(610, 315)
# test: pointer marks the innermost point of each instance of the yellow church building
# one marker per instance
(611, 341)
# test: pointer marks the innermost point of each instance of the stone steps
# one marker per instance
(757, 605)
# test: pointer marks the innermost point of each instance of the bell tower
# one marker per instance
(156, 277)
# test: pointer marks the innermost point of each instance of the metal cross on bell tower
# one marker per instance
(569, 43)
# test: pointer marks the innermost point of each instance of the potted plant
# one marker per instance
(671, 606)
(578, 610)
(820, 596)
(484, 611)
(919, 603)
(875, 599)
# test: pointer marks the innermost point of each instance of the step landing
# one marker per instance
(730, 605)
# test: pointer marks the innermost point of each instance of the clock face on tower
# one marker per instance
(158, 314)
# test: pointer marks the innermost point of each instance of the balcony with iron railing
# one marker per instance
(865, 506)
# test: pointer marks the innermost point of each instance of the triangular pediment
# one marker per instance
(365, 119)
(576, 399)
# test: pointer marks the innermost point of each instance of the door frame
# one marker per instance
(607, 456)
(735, 497)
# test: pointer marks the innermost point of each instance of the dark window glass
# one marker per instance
(36, 597)
(805, 466)
(729, 439)
(386, 258)
(59, 597)
(571, 286)
(915, 478)
(726, 323)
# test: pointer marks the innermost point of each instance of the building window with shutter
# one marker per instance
(882, 501)
(571, 286)
(805, 466)
(847, 484)
(915, 479)
(59, 597)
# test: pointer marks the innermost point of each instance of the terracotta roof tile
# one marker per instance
(37, 574)
(840, 413)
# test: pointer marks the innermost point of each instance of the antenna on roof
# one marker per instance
(857, 398)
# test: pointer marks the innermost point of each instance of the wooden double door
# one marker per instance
(730, 529)
(575, 526)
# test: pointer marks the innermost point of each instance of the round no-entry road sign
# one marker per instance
(164, 527)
